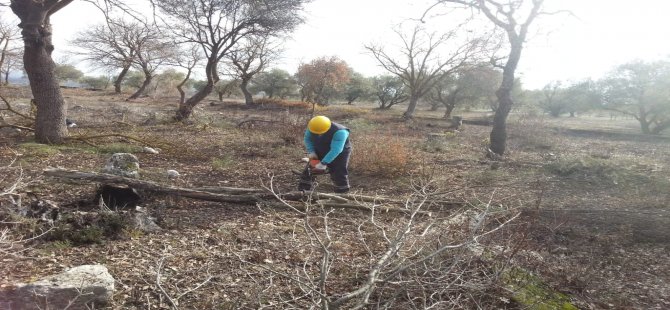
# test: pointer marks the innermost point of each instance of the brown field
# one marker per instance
(593, 197)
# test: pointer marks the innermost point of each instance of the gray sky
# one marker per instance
(604, 33)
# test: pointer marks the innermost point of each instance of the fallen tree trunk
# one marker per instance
(250, 196)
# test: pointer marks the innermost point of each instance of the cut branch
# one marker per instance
(248, 196)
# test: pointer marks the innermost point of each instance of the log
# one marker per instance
(250, 196)
(151, 186)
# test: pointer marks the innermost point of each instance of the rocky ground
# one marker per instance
(593, 223)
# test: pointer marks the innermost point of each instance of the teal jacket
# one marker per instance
(336, 145)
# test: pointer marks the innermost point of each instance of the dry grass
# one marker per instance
(568, 173)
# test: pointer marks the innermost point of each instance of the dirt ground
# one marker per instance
(594, 196)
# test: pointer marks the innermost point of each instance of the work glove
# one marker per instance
(320, 166)
(313, 156)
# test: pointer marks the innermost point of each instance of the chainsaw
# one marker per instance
(311, 166)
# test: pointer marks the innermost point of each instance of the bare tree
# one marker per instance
(217, 26)
(152, 51)
(13, 61)
(506, 16)
(422, 63)
(187, 59)
(8, 35)
(249, 59)
(111, 46)
(469, 84)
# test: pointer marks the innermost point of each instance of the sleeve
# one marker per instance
(336, 146)
(308, 141)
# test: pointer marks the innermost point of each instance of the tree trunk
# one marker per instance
(498, 136)
(645, 126)
(119, 79)
(248, 99)
(4, 52)
(450, 108)
(186, 109)
(409, 113)
(180, 87)
(143, 88)
(50, 119)
(7, 77)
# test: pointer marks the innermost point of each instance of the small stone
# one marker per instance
(142, 221)
(149, 150)
(172, 174)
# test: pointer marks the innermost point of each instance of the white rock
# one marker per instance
(149, 150)
(172, 174)
(77, 288)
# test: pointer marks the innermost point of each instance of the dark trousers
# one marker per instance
(338, 170)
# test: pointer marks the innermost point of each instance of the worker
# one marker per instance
(327, 142)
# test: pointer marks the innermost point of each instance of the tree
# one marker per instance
(389, 90)
(641, 90)
(470, 84)
(359, 87)
(226, 88)
(133, 79)
(557, 99)
(167, 81)
(553, 99)
(217, 26)
(36, 31)
(112, 45)
(506, 16)
(322, 79)
(248, 59)
(9, 52)
(582, 96)
(152, 51)
(275, 83)
(188, 58)
(13, 61)
(420, 64)
(96, 82)
(67, 72)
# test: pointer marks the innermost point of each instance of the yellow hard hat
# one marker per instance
(319, 124)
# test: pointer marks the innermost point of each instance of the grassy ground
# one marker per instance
(594, 202)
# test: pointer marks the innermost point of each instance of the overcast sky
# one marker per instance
(602, 34)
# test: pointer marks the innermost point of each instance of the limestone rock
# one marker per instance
(149, 150)
(142, 221)
(172, 174)
(77, 288)
(123, 164)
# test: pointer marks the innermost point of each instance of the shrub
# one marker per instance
(81, 229)
(380, 156)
